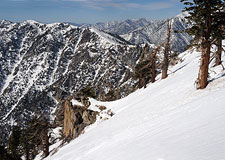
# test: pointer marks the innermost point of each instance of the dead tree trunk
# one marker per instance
(43, 129)
(100, 96)
(46, 142)
(27, 151)
(165, 62)
(140, 80)
(153, 70)
(153, 60)
(204, 64)
(219, 52)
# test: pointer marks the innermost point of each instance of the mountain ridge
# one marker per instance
(141, 31)
(41, 63)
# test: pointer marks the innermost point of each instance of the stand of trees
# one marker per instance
(28, 141)
(207, 18)
(145, 70)
(4, 155)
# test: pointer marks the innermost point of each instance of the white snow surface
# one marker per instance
(169, 120)
(75, 102)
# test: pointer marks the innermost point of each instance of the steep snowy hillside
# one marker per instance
(155, 33)
(169, 120)
(40, 64)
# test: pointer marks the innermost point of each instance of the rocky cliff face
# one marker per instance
(41, 64)
(76, 118)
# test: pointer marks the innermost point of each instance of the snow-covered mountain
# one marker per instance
(155, 33)
(141, 31)
(40, 64)
(121, 27)
(169, 120)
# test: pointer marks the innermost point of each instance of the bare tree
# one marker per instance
(165, 62)
(219, 52)
(153, 63)
(140, 79)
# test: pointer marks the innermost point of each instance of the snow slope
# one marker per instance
(169, 120)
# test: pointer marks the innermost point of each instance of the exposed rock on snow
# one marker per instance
(76, 118)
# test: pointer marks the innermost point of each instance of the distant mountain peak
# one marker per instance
(138, 31)
(182, 15)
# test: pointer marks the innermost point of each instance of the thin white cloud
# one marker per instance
(18, 0)
(150, 6)
(122, 4)
(77, 0)
(90, 1)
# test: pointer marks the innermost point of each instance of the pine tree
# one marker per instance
(110, 95)
(14, 146)
(202, 16)
(218, 32)
(37, 136)
(88, 91)
(4, 154)
(42, 129)
(25, 143)
(28, 142)
(32, 134)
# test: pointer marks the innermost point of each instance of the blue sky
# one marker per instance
(87, 11)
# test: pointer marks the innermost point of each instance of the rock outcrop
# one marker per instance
(76, 118)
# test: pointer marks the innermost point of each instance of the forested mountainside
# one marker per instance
(141, 31)
(40, 64)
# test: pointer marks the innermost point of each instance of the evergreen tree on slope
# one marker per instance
(203, 14)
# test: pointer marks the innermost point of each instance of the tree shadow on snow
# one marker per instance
(213, 79)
